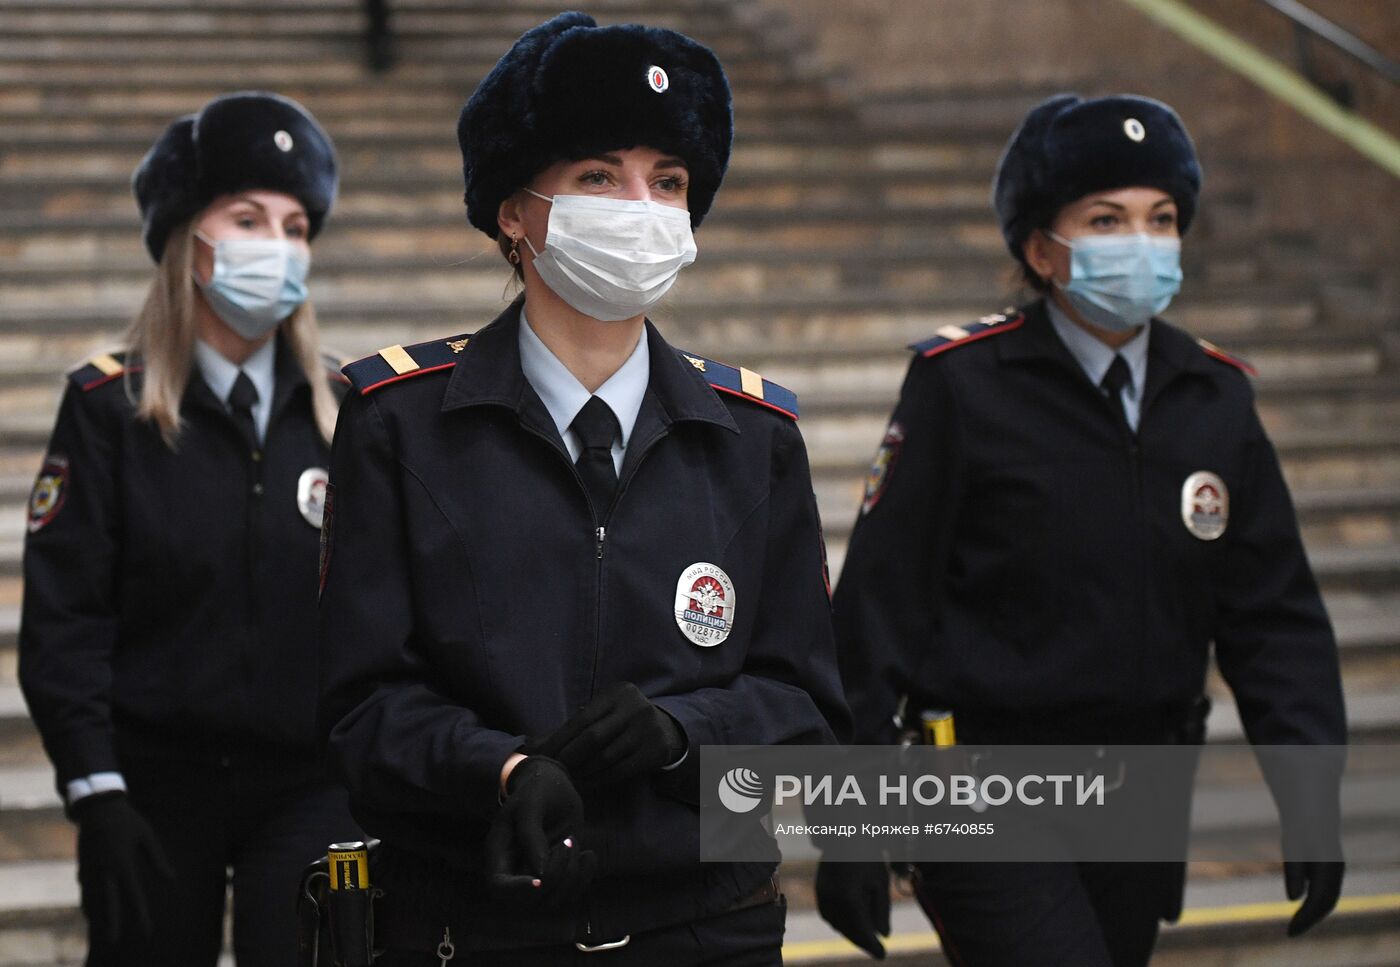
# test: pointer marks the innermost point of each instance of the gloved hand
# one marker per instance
(855, 899)
(618, 735)
(120, 863)
(532, 849)
(1306, 782)
(1323, 884)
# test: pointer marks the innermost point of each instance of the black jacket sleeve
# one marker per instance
(789, 691)
(888, 597)
(398, 743)
(69, 618)
(1273, 640)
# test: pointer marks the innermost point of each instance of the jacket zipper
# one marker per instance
(601, 535)
(600, 532)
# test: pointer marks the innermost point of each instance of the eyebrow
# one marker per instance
(263, 208)
(250, 201)
(612, 159)
(1113, 204)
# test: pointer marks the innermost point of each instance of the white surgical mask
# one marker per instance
(612, 259)
(1119, 282)
(256, 282)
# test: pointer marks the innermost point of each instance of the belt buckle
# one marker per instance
(601, 947)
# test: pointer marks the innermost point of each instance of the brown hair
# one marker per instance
(163, 335)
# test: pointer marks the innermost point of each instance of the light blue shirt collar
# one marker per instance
(220, 374)
(1095, 358)
(563, 395)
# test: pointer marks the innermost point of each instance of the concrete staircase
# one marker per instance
(840, 235)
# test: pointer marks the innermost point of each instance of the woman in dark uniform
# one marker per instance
(1071, 503)
(167, 639)
(562, 555)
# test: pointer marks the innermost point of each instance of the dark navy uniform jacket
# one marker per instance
(169, 595)
(472, 599)
(1027, 563)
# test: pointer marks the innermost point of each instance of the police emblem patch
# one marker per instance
(311, 494)
(50, 490)
(1205, 505)
(705, 604)
(327, 536)
(882, 467)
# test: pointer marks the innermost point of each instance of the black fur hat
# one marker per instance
(1068, 147)
(570, 89)
(238, 141)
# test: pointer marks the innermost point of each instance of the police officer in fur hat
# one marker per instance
(562, 555)
(167, 646)
(1072, 501)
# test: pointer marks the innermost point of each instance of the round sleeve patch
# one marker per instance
(50, 491)
(882, 467)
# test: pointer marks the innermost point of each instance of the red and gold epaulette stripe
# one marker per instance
(1215, 352)
(394, 363)
(102, 368)
(951, 336)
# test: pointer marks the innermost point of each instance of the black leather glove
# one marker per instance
(1306, 782)
(120, 863)
(618, 735)
(855, 899)
(532, 848)
(1323, 884)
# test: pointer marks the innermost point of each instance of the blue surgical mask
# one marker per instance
(1119, 282)
(256, 283)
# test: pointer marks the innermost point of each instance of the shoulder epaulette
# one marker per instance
(1215, 352)
(394, 363)
(950, 336)
(745, 384)
(102, 368)
(334, 363)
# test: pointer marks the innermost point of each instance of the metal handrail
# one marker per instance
(1308, 22)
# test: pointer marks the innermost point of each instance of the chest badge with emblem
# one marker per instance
(705, 604)
(1205, 505)
(882, 467)
(311, 495)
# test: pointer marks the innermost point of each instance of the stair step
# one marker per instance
(1236, 921)
(440, 214)
(492, 29)
(272, 65)
(692, 309)
(110, 189)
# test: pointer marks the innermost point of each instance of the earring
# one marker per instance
(513, 257)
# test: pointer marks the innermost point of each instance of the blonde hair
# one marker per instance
(163, 333)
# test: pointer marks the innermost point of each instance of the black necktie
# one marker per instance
(597, 428)
(1113, 382)
(241, 400)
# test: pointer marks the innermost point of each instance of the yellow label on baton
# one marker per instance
(349, 866)
(938, 729)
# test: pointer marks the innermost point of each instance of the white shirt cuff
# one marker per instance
(95, 783)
